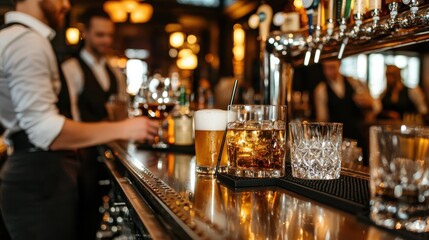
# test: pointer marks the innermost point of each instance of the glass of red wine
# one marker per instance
(159, 102)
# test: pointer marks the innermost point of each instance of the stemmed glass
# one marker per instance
(158, 104)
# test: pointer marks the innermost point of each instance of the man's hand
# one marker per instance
(140, 128)
(363, 100)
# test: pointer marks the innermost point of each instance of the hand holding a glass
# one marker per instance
(137, 128)
(117, 108)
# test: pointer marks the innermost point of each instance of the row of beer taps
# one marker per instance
(344, 22)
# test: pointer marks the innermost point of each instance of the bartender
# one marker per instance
(92, 82)
(399, 100)
(38, 191)
(344, 100)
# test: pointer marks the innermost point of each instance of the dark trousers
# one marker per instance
(90, 192)
(39, 195)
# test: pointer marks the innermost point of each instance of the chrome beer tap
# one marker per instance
(318, 38)
(411, 19)
(330, 22)
(393, 21)
(344, 10)
(376, 28)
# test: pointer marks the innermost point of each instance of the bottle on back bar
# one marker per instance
(183, 121)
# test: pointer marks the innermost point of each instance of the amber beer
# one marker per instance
(210, 125)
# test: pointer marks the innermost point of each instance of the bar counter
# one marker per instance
(169, 201)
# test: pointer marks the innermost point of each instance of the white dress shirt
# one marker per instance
(29, 80)
(75, 78)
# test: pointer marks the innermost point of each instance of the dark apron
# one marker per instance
(38, 190)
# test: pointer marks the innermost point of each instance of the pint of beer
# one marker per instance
(210, 125)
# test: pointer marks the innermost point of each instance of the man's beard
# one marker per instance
(51, 15)
(96, 51)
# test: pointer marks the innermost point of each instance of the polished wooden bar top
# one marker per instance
(204, 208)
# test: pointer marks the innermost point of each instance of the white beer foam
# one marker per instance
(210, 119)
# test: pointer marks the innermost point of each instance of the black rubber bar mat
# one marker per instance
(364, 217)
(347, 193)
(190, 149)
(240, 182)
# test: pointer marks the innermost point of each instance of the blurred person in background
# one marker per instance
(92, 82)
(90, 77)
(345, 100)
(39, 181)
(399, 100)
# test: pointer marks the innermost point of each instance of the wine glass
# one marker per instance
(158, 104)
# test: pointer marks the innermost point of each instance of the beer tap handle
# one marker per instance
(343, 9)
(310, 13)
(359, 11)
(329, 10)
(264, 25)
(309, 5)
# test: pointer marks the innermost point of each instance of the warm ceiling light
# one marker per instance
(129, 5)
(191, 39)
(297, 3)
(111, 6)
(177, 39)
(142, 13)
(116, 11)
(72, 36)
(119, 15)
(187, 60)
(119, 10)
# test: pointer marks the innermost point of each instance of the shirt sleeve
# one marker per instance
(418, 98)
(74, 77)
(31, 71)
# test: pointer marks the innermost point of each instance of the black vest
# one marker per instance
(63, 103)
(345, 110)
(404, 104)
(92, 100)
